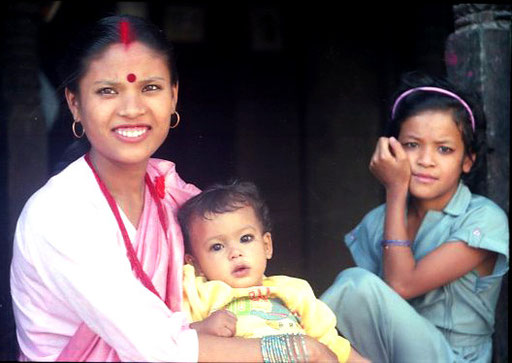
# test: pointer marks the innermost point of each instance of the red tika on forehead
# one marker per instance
(124, 32)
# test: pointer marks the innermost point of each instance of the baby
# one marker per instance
(226, 230)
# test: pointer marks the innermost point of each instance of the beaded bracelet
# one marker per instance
(289, 347)
(395, 242)
(296, 348)
(284, 348)
(304, 350)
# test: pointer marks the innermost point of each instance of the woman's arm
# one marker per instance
(355, 357)
(410, 278)
(219, 349)
(70, 269)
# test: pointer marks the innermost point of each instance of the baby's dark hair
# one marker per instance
(421, 101)
(223, 198)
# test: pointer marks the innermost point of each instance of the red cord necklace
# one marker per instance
(132, 257)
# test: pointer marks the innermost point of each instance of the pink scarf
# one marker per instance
(157, 226)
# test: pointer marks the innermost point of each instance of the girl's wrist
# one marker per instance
(386, 243)
(398, 192)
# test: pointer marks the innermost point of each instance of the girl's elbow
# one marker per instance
(404, 290)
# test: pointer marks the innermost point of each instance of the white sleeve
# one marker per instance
(79, 260)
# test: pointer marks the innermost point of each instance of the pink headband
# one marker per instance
(438, 90)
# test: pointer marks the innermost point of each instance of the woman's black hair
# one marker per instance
(96, 38)
(223, 198)
(90, 44)
(421, 101)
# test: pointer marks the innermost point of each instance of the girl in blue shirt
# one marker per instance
(431, 260)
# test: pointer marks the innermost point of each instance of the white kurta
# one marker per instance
(70, 266)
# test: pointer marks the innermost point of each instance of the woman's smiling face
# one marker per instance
(125, 102)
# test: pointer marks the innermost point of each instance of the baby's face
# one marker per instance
(230, 247)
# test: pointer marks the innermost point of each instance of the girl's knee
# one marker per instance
(354, 284)
(354, 273)
(359, 278)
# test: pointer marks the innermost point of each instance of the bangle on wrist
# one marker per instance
(395, 242)
(284, 348)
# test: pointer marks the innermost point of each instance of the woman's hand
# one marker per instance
(221, 323)
(355, 357)
(318, 352)
(390, 164)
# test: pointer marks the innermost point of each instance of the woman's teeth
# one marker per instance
(131, 132)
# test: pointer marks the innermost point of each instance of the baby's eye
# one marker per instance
(445, 149)
(106, 91)
(151, 87)
(216, 247)
(246, 238)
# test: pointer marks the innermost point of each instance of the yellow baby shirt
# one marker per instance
(282, 305)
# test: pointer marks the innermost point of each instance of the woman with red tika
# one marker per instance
(98, 254)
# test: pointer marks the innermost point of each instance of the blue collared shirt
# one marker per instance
(464, 309)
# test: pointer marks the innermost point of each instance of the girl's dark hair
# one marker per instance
(421, 101)
(90, 44)
(223, 198)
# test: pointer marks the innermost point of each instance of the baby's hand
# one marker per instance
(221, 323)
(390, 164)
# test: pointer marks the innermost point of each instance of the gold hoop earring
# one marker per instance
(73, 128)
(177, 121)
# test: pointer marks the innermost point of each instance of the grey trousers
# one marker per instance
(380, 324)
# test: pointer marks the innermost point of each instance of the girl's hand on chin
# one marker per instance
(390, 165)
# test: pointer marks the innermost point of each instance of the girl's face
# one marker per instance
(124, 103)
(434, 145)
